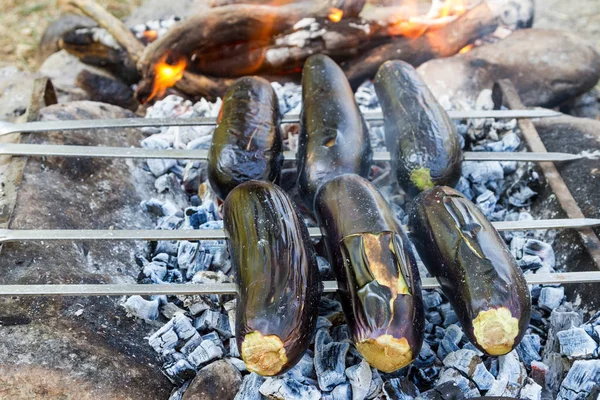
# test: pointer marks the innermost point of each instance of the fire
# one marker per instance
(412, 25)
(336, 15)
(166, 75)
(466, 49)
(149, 36)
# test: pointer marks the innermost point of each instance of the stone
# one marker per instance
(470, 364)
(576, 343)
(581, 379)
(360, 377)
(551, 297)
(250, 387)
(282, 388)
(330, 364)
(217, 381)
(523, 58)
(400, 389)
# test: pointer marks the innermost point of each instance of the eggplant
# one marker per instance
(376, 270)
(420, 136)
(334, 138)
(246, 144)
(276, 270)
(474, 267)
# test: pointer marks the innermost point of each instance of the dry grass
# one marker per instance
(22, 24)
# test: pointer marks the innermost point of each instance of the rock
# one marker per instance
(282, 388)
(217, 381)
(360, 377)
(523, 58)
(470, 364)
(581, 379)
(330, 364)
(400, 389)
(551, 297)
(576, 343)
(250, 387)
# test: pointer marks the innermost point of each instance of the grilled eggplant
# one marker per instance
(376, 271)
(474, 267)
(421, 138)
(276, 270)
(334, 138)
(247, 142)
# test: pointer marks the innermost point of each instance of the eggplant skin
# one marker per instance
(420, 136)
(246, 144)
(376, 270)
(275, 266)
(474, 267)
(334, 138)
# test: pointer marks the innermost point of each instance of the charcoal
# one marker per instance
(434, 317)
(529, 262)
(202, 142)
(529, 349)
(471, 346)
(482, 171)
(531, 391)
(509, 167)
(353, 356)
(156, 142)
(538, 372)
(229, 308)
(376, 384)
(426, 356)
(324, 266)
(215, 338)
(156, 271)
(165, 339)
(330, 309)
(322, 338)
(431, 299)
(521, 195)
(467, 387)
(439, 332)
(450, 341)
(186, 254)
(541, 249)
(464, 187)
(233, 348)
(551, 297)
(486, 202)
(160, 166)
(581, 379)
(511, 376)
(159, 208)
(212, 277)
(304, 371)
(179, 371)
(250, 386)
(557, 366)
(142, 308)
(212, 320)
(169, 261)
(182, 326)
(449, 314)
(323, 323)
(191, 344)
(400, 389)
(174, 276)
(177, 393)
(194, 200)
(166, 246)
(340, 333)
(576, 343)
(428, 375)
(170, 223)
(237, 363)
(282, 388)
(428, 327)
(204, 353)
(444, 391)
(330, 364)
(192, 178)
(360, 377)
(470, 364)
(198, 305)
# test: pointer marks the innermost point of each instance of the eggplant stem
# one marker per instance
(495, 330)
(386, 353)
(264, 355)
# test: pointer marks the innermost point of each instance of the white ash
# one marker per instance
(333, 369)
(161, 27)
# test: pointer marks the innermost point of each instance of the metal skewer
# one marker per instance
(45, 150)
(18, 235)
(230, 288)
(47, 126)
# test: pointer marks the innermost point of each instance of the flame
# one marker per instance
(166, 75)
(466, 49)
(336, 15)
(411, 25)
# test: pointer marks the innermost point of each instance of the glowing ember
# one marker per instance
(440, 14)
(150, 36)
(336, 15)
(466, 49)
(166, 75)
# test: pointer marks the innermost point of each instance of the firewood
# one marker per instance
(106, 90)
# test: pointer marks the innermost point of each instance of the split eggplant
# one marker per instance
(474, 267)
(247, 142)
(375, 267)
(334, 138)
(276, 270)
(420, 136)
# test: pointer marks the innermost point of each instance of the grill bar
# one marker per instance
(230, 288)
(11, 235)
(47, 126)
(19, 149)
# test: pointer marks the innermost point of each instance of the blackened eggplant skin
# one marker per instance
(334, 138)
(474, 267)
(375, 267)
(420, 136)
(246, 144)
(276, 270)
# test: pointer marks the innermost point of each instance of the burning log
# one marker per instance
(106, 90)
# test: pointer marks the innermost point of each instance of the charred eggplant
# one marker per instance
(277, 274)
(421, 138)
(247, 143)
(474, 267)
(376, 271)
(334, 138)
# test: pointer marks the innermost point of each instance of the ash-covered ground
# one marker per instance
(557, 358)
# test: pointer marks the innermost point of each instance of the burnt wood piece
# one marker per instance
(351, 7)
(49, 43)
(107, 90)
